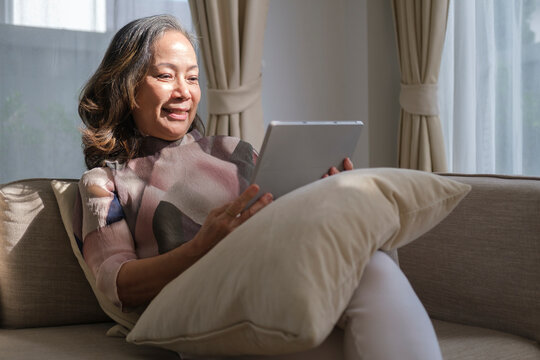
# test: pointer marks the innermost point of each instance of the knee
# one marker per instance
(381, 267)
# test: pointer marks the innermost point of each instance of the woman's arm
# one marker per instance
(139, 281)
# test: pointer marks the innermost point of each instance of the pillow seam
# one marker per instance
(434, 204)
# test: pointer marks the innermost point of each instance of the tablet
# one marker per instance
(294, 154)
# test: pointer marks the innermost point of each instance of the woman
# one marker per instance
(158, 195)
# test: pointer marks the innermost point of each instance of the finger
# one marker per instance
(220, 210)
(241, 201)
(347, 164)
(333, 171)
(230, 212)
(259, 204)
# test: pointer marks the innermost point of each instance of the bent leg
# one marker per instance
(385, 319)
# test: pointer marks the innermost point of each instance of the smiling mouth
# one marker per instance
(176, 114)
(175, 111)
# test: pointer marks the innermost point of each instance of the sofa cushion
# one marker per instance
(462, 342)
(481, 265)
(41, 283)
(81, 342)
(280, 282)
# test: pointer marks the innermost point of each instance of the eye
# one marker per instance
(193, 79)
(165, 76)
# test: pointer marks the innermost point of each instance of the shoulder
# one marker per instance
(98, 181)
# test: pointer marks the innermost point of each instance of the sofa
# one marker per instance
(477, 273)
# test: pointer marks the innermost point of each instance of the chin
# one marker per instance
(177, 135)
(173, 137)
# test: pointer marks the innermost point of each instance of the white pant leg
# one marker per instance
(385, 319)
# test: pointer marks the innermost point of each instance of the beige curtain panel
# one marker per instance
(420, 28)
(231, 34)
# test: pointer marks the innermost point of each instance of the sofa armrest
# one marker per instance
(41, 282)
(481, 265)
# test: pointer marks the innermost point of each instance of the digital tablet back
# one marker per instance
(294, 154)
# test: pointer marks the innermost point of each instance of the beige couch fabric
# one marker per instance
(80, 342)
(53, 304)
(461, 342)
(41, 283)
(482, 263)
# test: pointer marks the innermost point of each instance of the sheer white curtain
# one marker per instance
(48, 50)
(489, 87)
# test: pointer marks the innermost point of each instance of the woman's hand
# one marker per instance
(224, 219)
(139, 281)
(347, 165)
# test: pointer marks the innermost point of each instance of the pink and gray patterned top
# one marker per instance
(157, 201)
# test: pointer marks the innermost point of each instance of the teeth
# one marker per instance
(174, 111)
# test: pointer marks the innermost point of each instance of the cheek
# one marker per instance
(151, 98)
(196, 96)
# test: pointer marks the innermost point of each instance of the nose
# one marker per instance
(181, 90)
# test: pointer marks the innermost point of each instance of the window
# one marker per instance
(82, 15)
(489, 87)
(48, 50)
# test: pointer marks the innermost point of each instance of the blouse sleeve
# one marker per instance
(107, 242)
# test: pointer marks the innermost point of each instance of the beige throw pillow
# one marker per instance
(66, 192)
(279, 282)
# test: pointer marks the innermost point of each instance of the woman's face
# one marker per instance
(169, 93)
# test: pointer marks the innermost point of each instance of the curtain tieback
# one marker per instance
(419, 99)
(234, 101)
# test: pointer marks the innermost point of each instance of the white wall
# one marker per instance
(384, 79)
(318, 60)
(310, 48)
